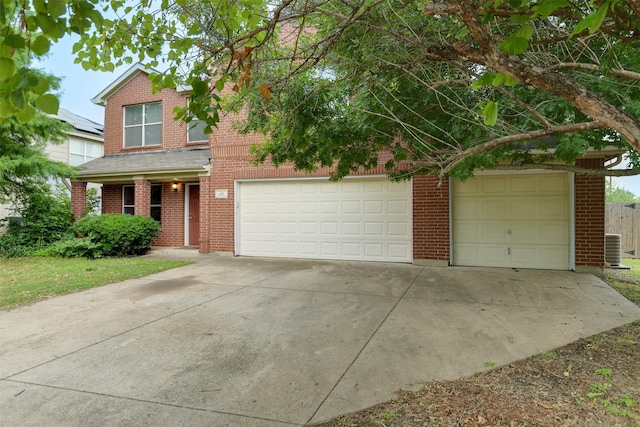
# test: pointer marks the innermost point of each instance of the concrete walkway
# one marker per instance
(263, 342)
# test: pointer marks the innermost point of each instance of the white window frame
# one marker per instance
(143, 125)
(156, 205)
(192, 124)
(124, 205)
(84, 155)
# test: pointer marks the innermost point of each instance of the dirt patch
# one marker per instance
(594, 381)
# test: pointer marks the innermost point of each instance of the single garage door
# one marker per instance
(519, 220)
(354, 219)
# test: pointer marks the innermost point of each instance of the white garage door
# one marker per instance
(512, 221)
(354, 219)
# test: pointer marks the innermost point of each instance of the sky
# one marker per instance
(80, 86)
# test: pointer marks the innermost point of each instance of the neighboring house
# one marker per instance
(84, 143)
(206, 194)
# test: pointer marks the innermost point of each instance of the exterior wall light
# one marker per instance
(175, 186)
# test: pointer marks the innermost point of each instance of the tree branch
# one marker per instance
(526, 136)
(591, 67)
(570, 168)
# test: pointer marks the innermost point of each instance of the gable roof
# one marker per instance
(156, 164)
(117, 84)
(137, 68)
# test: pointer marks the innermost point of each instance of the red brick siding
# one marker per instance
(230, 161)
(589, 215)
(78, 199)
(138, 91)
(171, 216)
(205, 213)
(430, 218)
(111, 199)
(142, 197)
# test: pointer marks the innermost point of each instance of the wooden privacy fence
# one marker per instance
(624, 219)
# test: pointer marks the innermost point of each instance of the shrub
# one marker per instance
(118, 234)
(71, 247)
(43, 219)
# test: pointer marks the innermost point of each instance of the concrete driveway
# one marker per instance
(263, 342)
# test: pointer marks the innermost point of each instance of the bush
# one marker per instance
(118, 234)
(71, 247)
(43, 219)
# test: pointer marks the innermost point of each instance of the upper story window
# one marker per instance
(196, 131)
(82, 151)
(143, 125)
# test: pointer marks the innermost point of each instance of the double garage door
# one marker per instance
(520, 220)
(367, 219)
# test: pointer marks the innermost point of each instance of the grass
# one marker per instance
(627, 282)
(27, 280)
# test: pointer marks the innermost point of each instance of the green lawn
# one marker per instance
(25, 280)
(627, 282)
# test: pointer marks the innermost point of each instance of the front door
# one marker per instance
(194, 215)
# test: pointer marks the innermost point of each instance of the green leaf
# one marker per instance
(490, 113)
(514, 45)
(600, 14)
(41, 87)
(18, 99)
(547, 7)
(518, 42)
(46, 24)
(199, 87)
(48, 103)
(57, 8)
(485, 80)
(40, 45)
(26, 115)
(593, 21)
(7, 68)
(14, 40)
(520, 19)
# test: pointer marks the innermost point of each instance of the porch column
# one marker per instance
(589, 217)
(205, 219)
(142, 196)
(78, 199)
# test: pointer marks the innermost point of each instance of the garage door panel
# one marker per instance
(351, 207)
(493, 232)
(398, 229)
(523, 221)
(476, 255)
(328, 228)
(554, 207)
(494, 209)
(374, 229)
(359, 219)
(494, 185)
(468, 208)
(554, 233)
(522, 184)
(554, 184)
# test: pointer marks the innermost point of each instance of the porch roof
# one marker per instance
(160, 165)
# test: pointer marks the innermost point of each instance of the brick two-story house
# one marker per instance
(206, 194)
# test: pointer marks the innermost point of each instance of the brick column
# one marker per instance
(430, 220)
(589, 217)
(78, 199)
(143, 197)
(205, 209)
